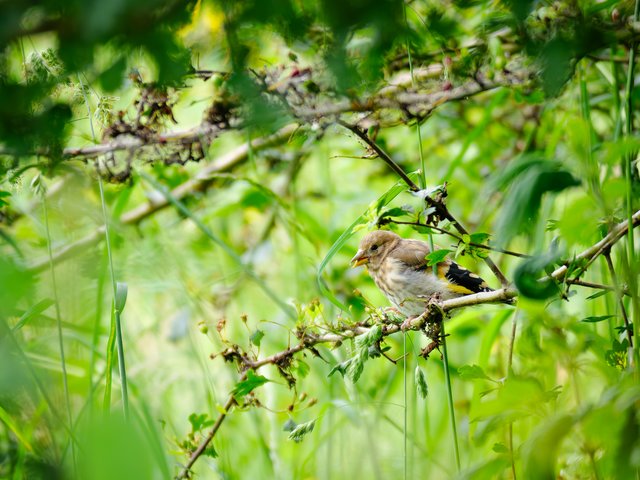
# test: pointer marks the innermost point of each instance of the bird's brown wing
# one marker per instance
(462, 280)
(412, 253)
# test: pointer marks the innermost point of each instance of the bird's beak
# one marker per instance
(359, 259)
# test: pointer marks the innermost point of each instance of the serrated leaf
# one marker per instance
(472, 372)
(369, 338)
(210, 451)
(356, 366)
(246, 386)
(597, 318)
(198, 422)
(437, 256)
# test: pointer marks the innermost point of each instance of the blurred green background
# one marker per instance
(531, 124)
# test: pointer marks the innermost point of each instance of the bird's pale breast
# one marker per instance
(409, 289)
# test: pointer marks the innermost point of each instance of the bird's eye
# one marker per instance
(374, 247)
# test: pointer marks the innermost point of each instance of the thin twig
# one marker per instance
(309, 340)
(623, 310)
(441, 209)
(460, 239)
(186, 470)
(199, 183)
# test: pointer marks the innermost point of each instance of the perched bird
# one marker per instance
(399, 268)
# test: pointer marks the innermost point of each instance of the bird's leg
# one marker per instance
(431, 308)
(433, 327)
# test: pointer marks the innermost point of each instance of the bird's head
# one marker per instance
(374, 247)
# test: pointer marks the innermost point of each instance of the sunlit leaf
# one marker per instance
(253, 381)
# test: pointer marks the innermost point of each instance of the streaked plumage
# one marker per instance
(399, 269)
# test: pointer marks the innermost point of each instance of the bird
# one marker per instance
(399, 268)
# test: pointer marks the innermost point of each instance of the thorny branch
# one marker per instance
(199, 183)
(428, 322)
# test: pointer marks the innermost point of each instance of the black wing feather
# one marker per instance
(463, 277)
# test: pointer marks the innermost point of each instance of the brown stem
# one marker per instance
(186, 470)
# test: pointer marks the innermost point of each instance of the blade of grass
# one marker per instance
(114, 284)
(629, 194)
(287, 309)
(56, 302)
(11, 425)
(447, 380)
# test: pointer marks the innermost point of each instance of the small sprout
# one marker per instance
(203, 328)
(298, 433)
(289, 425)
(421, 382)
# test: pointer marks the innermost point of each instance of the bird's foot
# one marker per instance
(426, 351)
(407, 324)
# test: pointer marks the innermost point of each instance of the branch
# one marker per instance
(593, 252)
(200, 183)
(460, 239)
(440, 207)
(309, 340)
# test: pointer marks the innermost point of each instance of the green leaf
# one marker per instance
(421, 382)
(121, 296)
(472, 372)
(598, 294)
(210, 451)
(396, 212)
(198, 422)
(527, 276)
(370, 337)
(33, 311)
(437, 256)
(298, 433)
(500, 448)
(528, 180)
(256, 337)
(597, 319)
(246, 386)
(479, 237)
(539, 452)
(356, 366)
(302, 368)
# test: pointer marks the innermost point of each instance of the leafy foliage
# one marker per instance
(233, 152)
